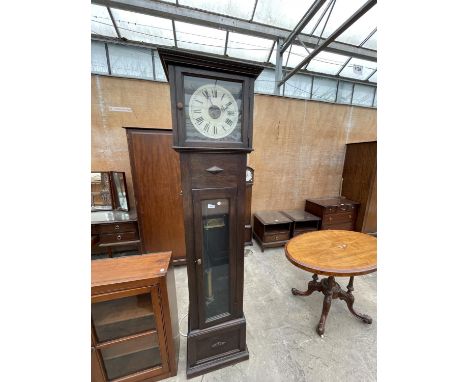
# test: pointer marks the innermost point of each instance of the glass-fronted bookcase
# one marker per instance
(134, 326)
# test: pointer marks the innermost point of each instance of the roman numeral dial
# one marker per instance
(213, 111)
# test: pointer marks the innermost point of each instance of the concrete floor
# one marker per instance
(281, 337)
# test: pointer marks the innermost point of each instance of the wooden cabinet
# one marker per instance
(271, 229)
(302, 222)
(114, 234)
(335, 212)
(158, 192)
(135, 334)
(360, 182)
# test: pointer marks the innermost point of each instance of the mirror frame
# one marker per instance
(115, 205)
(115, 197)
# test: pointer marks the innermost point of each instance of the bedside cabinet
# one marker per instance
(335, 212)
(271, 229)
(302, 222)
(134, 322)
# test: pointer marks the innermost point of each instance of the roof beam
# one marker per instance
(195, 16)
(343, 27)
(113, 22)
(314, 8)
(332, 2)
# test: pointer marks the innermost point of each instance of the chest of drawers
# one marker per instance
(335, 212)
(115, 238)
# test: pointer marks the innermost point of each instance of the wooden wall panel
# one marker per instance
(299, 145)
(150, 107)
(299, 149)
(362, 126)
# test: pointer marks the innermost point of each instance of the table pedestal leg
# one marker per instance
(332, 290)
(349, 299)
(311, 287)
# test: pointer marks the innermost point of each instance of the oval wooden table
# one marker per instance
(333, 253)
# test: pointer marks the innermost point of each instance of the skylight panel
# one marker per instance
(196, 37)
(341, 11)
(242, 9)
(101, 23)
(357, 32)
(280, 13)
(139, 27)
(373, 78)
(328, 63)
(296, 54)
(372, 42)
(248, 47)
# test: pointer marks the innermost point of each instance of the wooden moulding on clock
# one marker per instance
(206, 61)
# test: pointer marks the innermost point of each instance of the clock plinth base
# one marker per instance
(216, 347)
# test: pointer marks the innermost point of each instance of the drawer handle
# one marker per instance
(349, 216)
(276, 237)
(119, 237)
(117, 227)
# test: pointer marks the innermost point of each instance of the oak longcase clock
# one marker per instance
(212, 112)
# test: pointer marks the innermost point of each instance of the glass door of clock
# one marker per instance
(215, 243)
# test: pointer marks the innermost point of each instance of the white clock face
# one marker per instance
(213, 111)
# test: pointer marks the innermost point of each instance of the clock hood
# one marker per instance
(205, 61)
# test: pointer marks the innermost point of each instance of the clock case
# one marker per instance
(211, 170)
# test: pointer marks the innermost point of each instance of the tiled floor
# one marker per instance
(281, 335)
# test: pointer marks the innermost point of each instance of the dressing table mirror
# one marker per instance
(114, 229)
(101, 194)
(108, 191)
(120, 191)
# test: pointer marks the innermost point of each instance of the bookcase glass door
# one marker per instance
(131, 356)
(123, 317)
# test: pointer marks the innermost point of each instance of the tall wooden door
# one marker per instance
(156, 181)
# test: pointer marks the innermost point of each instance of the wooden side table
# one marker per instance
(302, 222)
(333, 253)
(271, 229)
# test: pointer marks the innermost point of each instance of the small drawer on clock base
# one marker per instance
(214, 347)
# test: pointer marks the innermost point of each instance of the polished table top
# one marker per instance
(334, 252)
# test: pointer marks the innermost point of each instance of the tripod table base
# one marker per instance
(332, 290)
